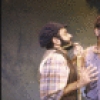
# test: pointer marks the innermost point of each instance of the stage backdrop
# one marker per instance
(21, 53)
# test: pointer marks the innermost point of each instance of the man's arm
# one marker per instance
(87, 75)
(55, 78)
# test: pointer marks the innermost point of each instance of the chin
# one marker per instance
(98, 35)
(68, 46)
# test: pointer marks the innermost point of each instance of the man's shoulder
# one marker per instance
(88, 50)
(52, 59)
(57, 55)
(53, 56)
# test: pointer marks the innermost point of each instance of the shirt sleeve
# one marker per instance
(54, 76)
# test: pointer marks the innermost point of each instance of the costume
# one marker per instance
(93, 89)
(55, 75)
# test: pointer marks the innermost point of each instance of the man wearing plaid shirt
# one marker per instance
(57, 75)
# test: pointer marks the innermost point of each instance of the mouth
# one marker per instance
(98, 34)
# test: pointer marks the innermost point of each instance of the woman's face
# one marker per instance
(97, 32)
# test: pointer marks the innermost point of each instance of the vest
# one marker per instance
(72, 78)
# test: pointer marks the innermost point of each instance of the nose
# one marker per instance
(97, 32)
(70, 35)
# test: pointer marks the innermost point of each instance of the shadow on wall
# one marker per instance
(94, 3)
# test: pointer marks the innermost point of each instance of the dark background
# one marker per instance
(21, 53)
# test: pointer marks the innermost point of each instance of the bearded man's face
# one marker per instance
(65, 39)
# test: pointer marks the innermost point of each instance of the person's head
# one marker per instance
(55, 35)
(97, 27)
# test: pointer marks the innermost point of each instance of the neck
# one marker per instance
(61, 49)
(98, 42)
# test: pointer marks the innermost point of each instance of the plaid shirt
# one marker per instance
(53, 77)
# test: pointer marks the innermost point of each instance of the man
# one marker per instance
(92, 57)
(58, 76)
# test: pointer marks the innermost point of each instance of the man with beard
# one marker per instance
(92, 57)
(58, 76)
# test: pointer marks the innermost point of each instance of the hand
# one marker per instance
(87, 75)
(78, 49)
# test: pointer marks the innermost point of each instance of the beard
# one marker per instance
(66, 45)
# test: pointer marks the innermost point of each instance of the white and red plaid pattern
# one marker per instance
(53, 77)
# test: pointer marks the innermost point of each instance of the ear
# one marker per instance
(56, 40)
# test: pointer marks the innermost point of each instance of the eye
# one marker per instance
(65, 34)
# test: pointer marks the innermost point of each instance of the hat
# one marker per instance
(48, 32)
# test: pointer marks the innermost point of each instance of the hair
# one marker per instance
(50, 45)
(97, 23)
(47, 33)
